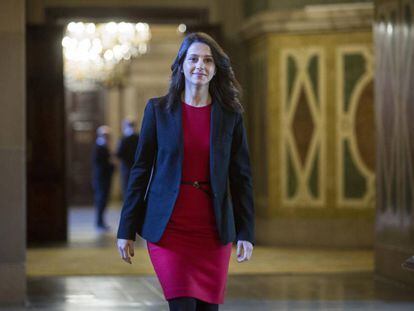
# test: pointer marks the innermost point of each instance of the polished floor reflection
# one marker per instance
(89, 252)
(244, 292)
(281, 279)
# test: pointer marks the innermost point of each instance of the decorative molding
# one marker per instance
(345, 125)
(311, 19)
(149, 14)
(316, 151)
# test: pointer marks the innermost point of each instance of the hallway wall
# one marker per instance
(311, 103)
(394, 42)
(12, 152)
(267, 38)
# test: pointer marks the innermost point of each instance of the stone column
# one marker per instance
(394, 78)
(12, 152)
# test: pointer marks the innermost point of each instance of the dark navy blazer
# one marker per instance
(155, 177)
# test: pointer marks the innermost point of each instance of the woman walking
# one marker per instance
(190, 189)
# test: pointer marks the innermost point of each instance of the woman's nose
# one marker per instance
(200, 63)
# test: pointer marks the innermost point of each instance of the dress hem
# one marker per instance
(188, 293)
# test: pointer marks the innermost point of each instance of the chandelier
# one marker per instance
(92, 51)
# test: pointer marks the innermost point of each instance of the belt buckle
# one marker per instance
(196, 184)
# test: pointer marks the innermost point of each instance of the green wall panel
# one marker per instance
(313, 180)
(355, 184)
(291, 71)
(313, 70)
(354, 68)
(292, 180)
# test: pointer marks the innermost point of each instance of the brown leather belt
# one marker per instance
(198, 185)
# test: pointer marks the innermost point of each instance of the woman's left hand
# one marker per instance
(244, 250)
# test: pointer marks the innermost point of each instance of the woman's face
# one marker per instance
(198, 66)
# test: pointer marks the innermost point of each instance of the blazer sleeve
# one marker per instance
(241, 187)
(133, 210)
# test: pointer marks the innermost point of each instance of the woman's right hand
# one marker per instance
(126, 249)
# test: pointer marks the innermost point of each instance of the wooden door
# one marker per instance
(84, 114)
(45, 120)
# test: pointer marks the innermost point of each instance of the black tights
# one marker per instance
(190, 304)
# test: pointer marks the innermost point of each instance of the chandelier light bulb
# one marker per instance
(111, 27)
(66, 42)
(182, 28)
(91, 51)
(96, 49)
(90, 28)
(71, 27)
(85, 44)
(124, 48)
(126, 28)
(109, 55)
(140, 27)
(80, 28)
(97, 45)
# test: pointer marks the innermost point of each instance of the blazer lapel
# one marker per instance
(215, 129)
(177, 117)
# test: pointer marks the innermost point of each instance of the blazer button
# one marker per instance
(215, 195)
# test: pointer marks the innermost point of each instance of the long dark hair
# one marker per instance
(223, 86)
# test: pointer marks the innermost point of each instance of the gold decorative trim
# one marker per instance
(317, 109)
(345, 129)
(311, 19)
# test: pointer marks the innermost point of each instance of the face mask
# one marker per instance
(128, 131)
(101, 141)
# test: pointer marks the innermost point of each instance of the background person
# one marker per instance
(103, 169)
(126, 151)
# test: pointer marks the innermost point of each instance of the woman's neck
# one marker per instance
(196, 96)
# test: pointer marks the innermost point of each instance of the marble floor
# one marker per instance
(259, 291)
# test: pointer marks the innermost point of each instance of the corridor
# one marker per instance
(328, 110)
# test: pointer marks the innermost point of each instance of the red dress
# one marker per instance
(189, 260)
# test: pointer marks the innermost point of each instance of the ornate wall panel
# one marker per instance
(355, 126)
(312, 126)
(302, 123)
